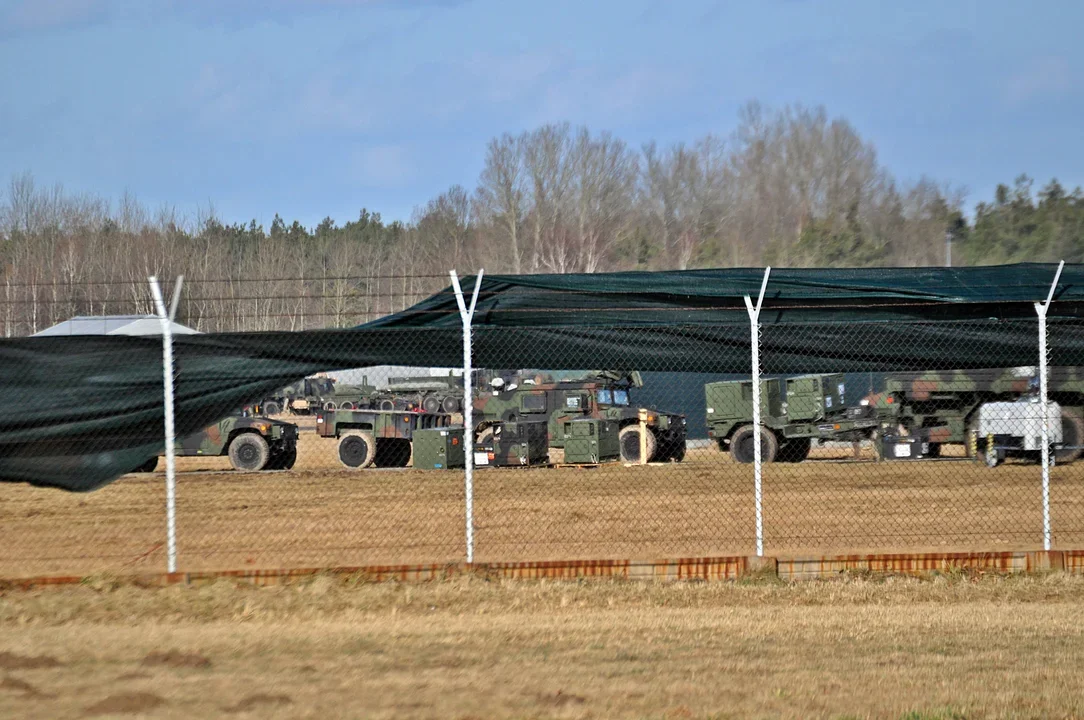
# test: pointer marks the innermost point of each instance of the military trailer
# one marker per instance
(591, 440)
(376, 437)
(439, 448)
(793, 413)
(514, 444)
(427, 394)
(946, 406)
(251, 443)
(318, 392)
(602, 394)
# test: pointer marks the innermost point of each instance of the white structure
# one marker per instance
(113, 325)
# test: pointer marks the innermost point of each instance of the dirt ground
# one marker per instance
(951, 647)
(320, 514)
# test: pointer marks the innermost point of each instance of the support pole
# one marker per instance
(167, 379)
(466, 315)
(754, 344)
(1044, 374)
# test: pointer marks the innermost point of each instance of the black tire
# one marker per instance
(271, 408)
(794, 451)
(934, 450)
(742, 448)
(431, 404)
(392, 452)
(347, 406)
(629, 442)
(289, 458)
(450, 405)
(148, 466)
(676, 451)
(1072, 433)
(249, 452)
(387, 404)
(357, 449)
(329, 405)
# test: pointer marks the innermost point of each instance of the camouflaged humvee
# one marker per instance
(944, 405)
(251, 443)
(524, 397)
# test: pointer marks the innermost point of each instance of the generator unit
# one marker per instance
(906, 447)
(1015, 429)
(439, 448)
(591, 440)
(513, 443)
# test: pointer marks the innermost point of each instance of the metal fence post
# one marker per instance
(754, 344)
(167, 379)
(466, 315)
(1040, 310)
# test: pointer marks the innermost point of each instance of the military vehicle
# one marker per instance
(793, 413)
(435, 394)
(318, 392)
(251, 443)
(376, 437)
(599, 394)
(946, 405)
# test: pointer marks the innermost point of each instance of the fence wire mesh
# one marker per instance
(886, 451)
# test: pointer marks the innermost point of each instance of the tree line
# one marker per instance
(791, 187)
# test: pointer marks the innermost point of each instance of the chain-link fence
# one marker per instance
(602, 444)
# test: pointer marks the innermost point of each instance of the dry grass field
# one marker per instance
(320, 514)
(951, 647)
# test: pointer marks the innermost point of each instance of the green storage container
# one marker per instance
(591, 440)
(439, 448)
(514, 444)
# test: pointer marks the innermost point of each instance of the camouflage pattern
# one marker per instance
(380, 437)
(390, 424)
(218, 439)
(314, 393)
(601, 394)
(423, 394)
(945, 404)
(795, 411)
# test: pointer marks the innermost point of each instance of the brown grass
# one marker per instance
(950, 647)
(320, 514)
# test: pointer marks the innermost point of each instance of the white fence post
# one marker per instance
(1044, 374)
(466, 315)
(167, 378)
(754, 343)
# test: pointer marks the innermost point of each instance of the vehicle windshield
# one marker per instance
(613, 397)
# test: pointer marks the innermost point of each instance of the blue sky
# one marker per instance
(320, 107)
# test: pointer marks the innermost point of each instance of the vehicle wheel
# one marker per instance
(271, 408)
(392, 452)
(431, 404)
(484, 436)
(387, 405)
(676, 451)
(329, 405)
(794, 451)
(249, 452)
(357, 449)
(934, 451)
(629, 441)
(148, 466)
(288, 459)
(347, 406)
(450, 405)
(1072, 433)
(742, 449)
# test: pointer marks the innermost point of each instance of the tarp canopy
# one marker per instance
(81, 411)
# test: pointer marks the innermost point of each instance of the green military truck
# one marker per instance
(793, 413)
(318, 392)
(376, 437)
(251, 443)
(944, 406)
(601, 394)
